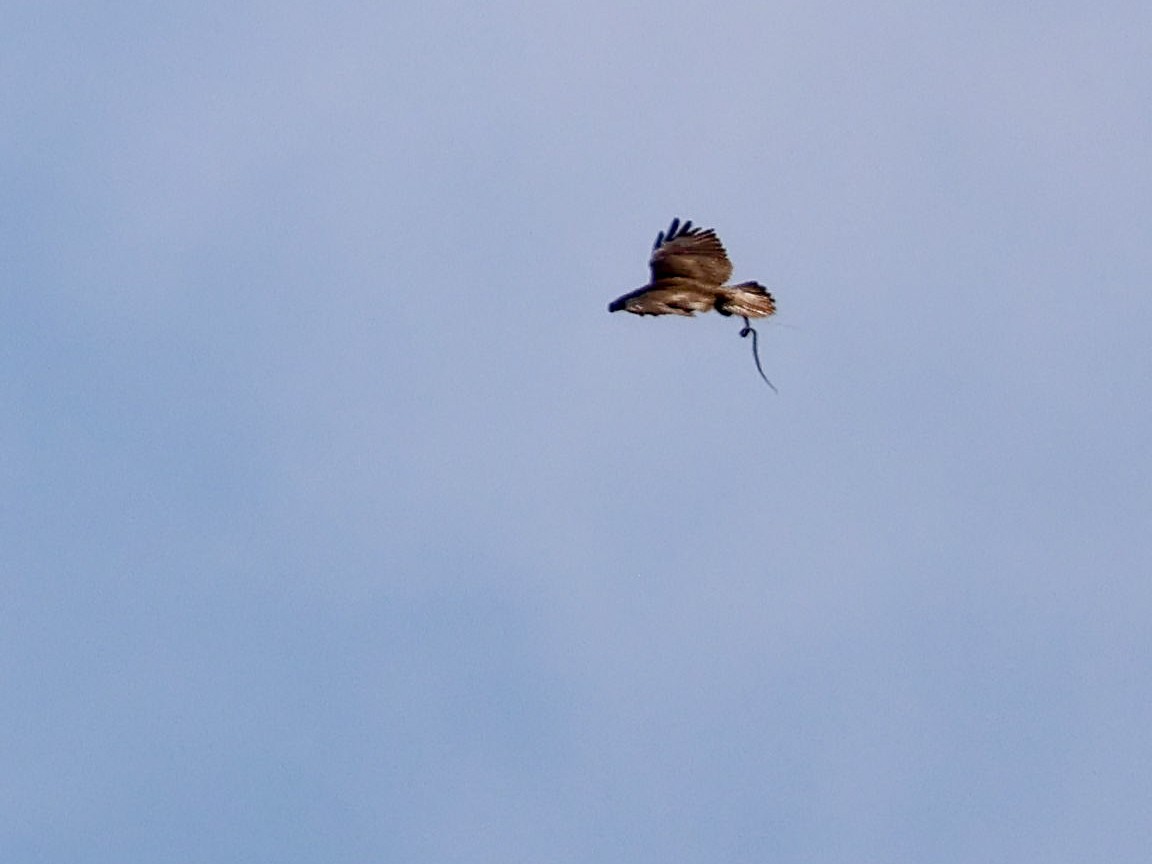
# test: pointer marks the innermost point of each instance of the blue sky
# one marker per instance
(342, 522)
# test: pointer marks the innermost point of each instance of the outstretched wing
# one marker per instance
(684, 252)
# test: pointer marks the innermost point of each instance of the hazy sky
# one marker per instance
(342, 523)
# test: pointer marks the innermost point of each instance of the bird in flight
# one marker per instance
(689, 271)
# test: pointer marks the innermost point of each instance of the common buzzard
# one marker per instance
(689, 271)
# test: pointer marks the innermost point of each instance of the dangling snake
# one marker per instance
(750, 330)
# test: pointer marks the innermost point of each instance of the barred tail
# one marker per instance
(750, 299)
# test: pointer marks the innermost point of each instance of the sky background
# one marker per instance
(342, 523)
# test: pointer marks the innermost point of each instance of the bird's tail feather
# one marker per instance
(750, 299)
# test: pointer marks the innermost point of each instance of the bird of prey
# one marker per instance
(689, 271)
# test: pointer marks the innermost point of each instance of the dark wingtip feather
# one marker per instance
(676, 229)
(666, 236)
(660, 238)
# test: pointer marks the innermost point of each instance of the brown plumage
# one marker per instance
(689, 271)
(689, 268)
